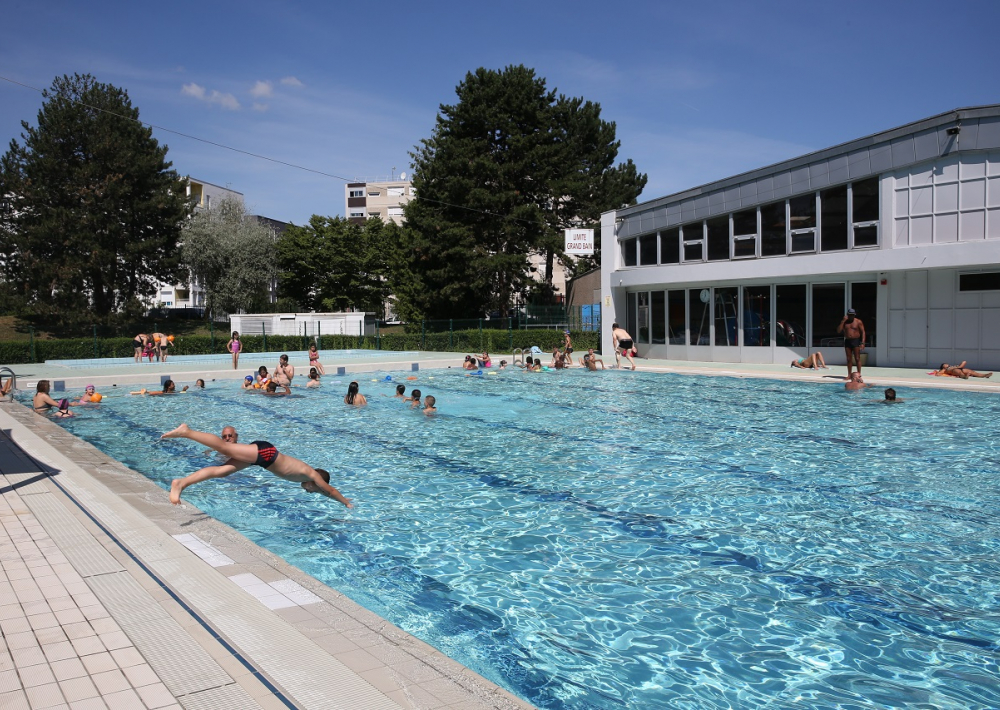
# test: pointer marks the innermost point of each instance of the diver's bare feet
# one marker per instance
(175, 491)
(177, 433)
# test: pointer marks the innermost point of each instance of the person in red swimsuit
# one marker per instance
(259, 453)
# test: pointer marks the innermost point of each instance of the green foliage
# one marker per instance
(334, 265)
(92, 211)
(459, 341)
(507, 168)
(229, 251)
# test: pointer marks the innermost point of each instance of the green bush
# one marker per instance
(459, 341)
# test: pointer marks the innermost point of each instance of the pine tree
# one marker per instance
(507, 168)
(93, 211)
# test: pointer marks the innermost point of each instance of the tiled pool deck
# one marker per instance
(112, 598)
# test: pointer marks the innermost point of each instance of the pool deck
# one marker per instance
(112, 598)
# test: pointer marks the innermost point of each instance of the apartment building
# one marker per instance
(379, 197)
(903, 226)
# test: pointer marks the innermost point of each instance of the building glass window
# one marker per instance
(670, 246)
(356, 213)
(864, 298)
(833, 220)
(864, 212)
(745, 234)
(647, 250)
(727, 324)
(827, 311)
(356, 193)
(699, 304)
(773, 230)
(790, 316)
(658, 317)
(628, 252)
(985, 281)
(630, 316)
(717, 229)
(642, 313)
(756, 316)
(694, 241)
(802, 219)
(675, 317)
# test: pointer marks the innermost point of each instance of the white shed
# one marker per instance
(299, 323)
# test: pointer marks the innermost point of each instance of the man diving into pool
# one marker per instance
(260, 453)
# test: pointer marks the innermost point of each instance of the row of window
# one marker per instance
(751, 316)
(391, 192)
(837, 219)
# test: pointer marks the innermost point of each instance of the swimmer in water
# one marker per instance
(354, 397)
(259, 453)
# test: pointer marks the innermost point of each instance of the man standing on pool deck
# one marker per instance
(854, 338)
(260, 453)
(623, 345)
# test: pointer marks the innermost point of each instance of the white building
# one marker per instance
(903, 226)
(191, 295)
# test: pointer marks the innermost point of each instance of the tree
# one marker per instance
(229, 252)
(506, 169)
(92, 211)
(333, 264)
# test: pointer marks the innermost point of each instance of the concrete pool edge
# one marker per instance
(380, 665)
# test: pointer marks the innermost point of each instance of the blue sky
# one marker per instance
(699, 91)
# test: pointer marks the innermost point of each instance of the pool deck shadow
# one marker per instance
(109, 594)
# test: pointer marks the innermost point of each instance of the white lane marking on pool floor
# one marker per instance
(280, 594)
(204, 550)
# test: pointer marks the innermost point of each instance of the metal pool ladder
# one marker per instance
(9, 394)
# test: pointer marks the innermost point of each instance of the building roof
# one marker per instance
(888, 150)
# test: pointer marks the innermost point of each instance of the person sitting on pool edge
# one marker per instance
(260, 453)
(813, 362)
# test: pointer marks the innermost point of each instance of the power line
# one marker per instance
(262, 157)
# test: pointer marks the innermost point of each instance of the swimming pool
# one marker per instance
(634, 540)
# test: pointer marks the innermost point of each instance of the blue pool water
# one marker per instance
(634, 540)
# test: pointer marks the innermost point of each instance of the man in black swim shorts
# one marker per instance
(854, 339)
(260, 453)
(623, 344)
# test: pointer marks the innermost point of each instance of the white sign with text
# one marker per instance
(579, 241)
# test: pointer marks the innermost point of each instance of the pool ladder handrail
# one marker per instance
(514, 357)
(13, 383)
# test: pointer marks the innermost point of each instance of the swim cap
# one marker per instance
(248, 378)
(90, 387)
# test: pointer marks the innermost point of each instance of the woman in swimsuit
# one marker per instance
(813, 362)
(354, 397)
(139, 344)
(259, 453)
(43, 403)
(960, 371)
(314, 359)
(235, 346)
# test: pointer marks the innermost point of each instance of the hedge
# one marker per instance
(458, 341)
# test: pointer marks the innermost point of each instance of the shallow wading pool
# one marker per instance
(632, 540)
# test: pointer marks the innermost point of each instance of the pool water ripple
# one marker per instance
(635, 540)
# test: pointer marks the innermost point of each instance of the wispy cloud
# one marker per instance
(257, 106)
(226, 101)
(291, 81)
(262, 89)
